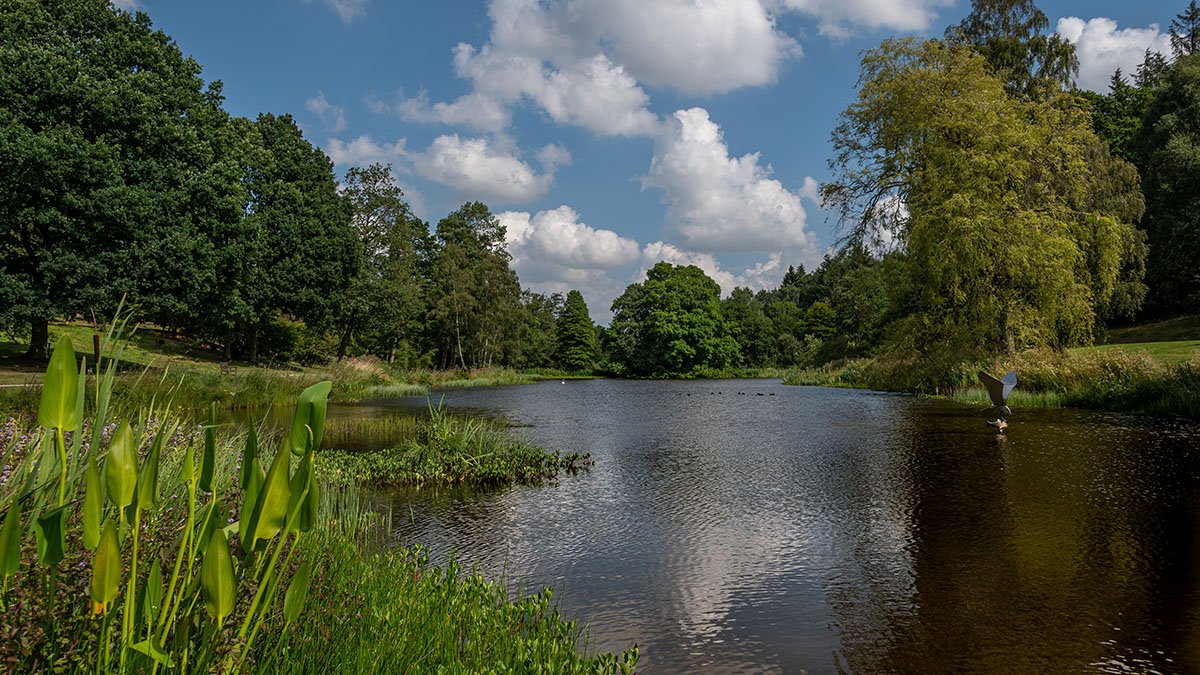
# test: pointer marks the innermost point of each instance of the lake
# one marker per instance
(741, 526)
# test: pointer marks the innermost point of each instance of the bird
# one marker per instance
(998, 391)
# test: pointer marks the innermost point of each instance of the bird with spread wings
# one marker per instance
(998, 390)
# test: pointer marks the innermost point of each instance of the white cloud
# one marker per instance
(694, 47)
(720, 203)
(1102, 48)
(347, 10)
(839, 18)
(363, 150)
(556, 237)
(479, 168)
(582, 62)
(333, 116)
(763, 275)
(130, 6)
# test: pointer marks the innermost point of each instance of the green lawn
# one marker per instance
(1168, 352)
(1180, 328)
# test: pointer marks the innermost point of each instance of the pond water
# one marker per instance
(741, 526)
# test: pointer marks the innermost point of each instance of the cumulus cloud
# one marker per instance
(557, 238)
(363, 150)
(583, 62)
(839, 18)
(763, 275)
(720, 203)
(481, 168)
(1102, 48)
(333, 116)
(127, 5)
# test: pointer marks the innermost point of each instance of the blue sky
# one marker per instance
(607, 134)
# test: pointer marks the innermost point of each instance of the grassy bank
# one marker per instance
(1123, 378)
(171, 495)
(153, 362)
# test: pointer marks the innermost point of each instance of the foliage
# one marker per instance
(113, 166)
(575, 334)
(1008, 235)
(446, 450)
(1168, 148)
(671, 325)
(1010, 35)
(1185, 31)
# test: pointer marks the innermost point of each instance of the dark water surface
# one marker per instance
(744, 526)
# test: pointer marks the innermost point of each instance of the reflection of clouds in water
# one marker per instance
(824, 529)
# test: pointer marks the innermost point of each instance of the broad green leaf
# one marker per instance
(249, 454)
(216, 578)
(152, 649)
(208, 463)
(120, 467)
(187, 470)
(93, 505)
(154, 589)
(293, 600)
(59, 389)
(270, 509)
(49, 533)
(304, 477)
(148, 481)
(106, 567)
(10, 541)
(249, 499)
(309, 416)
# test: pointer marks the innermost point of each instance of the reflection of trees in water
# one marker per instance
(1066, 545)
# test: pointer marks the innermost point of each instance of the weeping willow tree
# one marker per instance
(1011, 219)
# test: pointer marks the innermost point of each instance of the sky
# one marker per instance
(606, 135)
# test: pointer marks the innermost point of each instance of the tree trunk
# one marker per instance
(228, 348)
(39, 340)
(344, 343)
(254, 344)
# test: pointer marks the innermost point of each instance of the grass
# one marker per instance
(372, 608)
(446, 450)
(1115, 379)
(154, 361)
(1172, 352)
(1177, 329)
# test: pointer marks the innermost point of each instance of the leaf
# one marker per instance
(187, 470)
(59, 389)
(120, 467)
(49, 533)
(93, 505)
(148, 481)
(154, 589)
(209, 461)
(258, 476)
(303, 478)
(249, 454)
(10, 541)
(216, 578)
(309, 416)
(270, 509)
(152, 649)
(106, 566)
(293, 600)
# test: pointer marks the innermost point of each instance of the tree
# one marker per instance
(751, 327)
(305, 251)
(475, 297)
(1117, 116)
(1010, 34)
(1006, 242)
(1150, 70)
(576, 335)
(109, 175)
(671, 325)
(383, 301)
(1168, 150)
(1185, 31)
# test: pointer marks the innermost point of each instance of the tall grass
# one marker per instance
(449, 450)
(1105, 379)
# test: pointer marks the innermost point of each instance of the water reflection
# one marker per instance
(748, 527)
